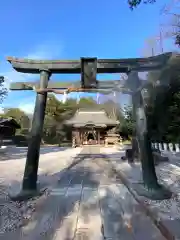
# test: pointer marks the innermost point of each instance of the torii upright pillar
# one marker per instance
(150, 187)
(29, 185)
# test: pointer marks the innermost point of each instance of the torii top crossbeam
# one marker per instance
(103, 65)
(88, 67)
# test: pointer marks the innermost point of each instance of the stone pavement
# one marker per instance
(166, 211)
(88, 202)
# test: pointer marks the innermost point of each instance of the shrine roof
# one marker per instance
(9, 122)
(98, 118)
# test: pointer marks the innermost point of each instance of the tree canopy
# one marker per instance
(164, 111)
(134, 3)
(3, 90)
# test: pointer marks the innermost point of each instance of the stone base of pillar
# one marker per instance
(25, 195)
(157, 193)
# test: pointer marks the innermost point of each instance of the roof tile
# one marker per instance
(94, 117)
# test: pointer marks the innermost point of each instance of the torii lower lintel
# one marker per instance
(103, 84)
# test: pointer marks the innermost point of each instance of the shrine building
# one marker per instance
(92, 127)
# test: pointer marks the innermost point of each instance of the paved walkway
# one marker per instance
(167, 212)
(88, 202)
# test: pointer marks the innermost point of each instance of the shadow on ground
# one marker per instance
(89, 191)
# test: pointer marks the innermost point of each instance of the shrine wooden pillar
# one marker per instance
(98, 133)
(82, 136)
(73, 138)
(78, 137)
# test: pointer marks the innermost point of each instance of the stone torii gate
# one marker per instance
(88, 68)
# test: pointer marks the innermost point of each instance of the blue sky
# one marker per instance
(69, 30)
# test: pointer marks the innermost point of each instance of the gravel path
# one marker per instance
(52, 163)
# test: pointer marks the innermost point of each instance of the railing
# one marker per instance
(170, 147)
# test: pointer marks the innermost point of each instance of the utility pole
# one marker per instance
(152, 52)
(161, 40)
(151, 44)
